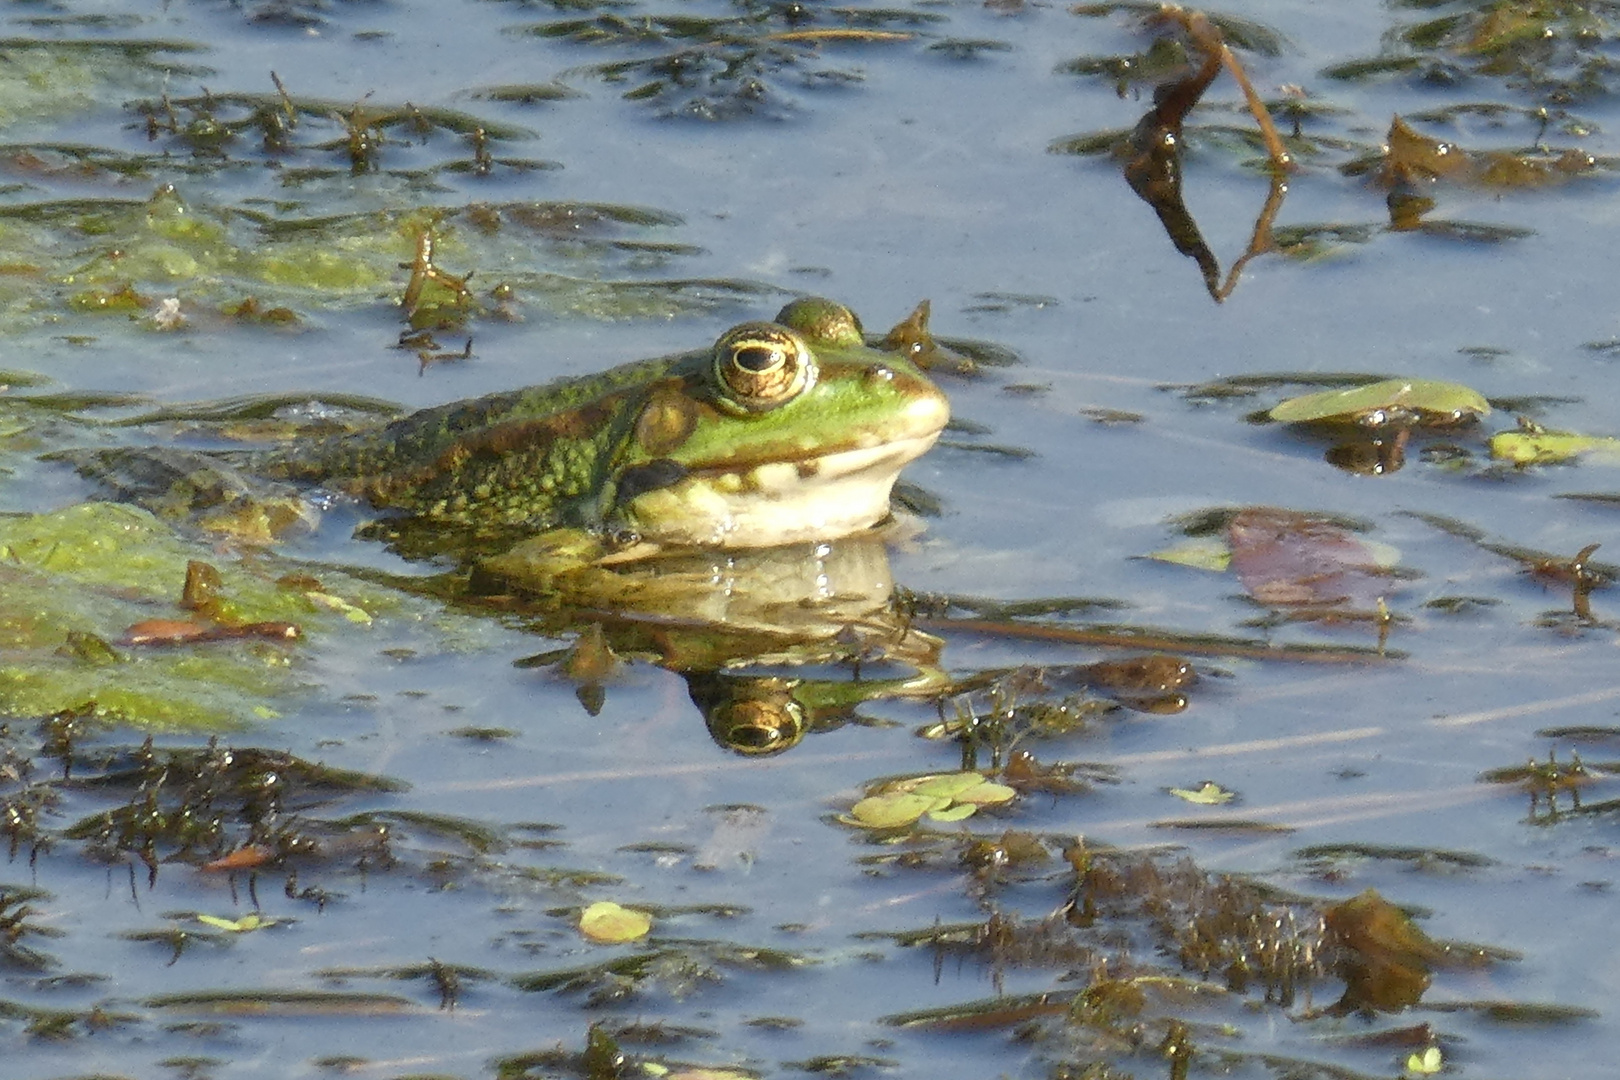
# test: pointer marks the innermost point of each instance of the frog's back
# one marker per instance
(535, 457)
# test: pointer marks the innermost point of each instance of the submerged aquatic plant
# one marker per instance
(730, 66)
(1157, 956)
(50, 77)
(233, 127)
(226, 268)
(1557, 52)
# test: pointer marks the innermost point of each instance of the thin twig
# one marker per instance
(833, 34)
(1260, 242)
(1280, 157)
(1160, 641)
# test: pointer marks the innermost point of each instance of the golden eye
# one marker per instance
(762, 365)
(758, 728)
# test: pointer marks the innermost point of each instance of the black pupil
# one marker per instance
(757, 358)
(756, 736)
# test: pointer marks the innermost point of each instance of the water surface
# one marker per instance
(880, 173)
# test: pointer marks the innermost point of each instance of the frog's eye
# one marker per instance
(762, 365)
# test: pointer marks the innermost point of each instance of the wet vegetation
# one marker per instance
(1523, 47)
(744, 64)
(80, 241)
(1555, 53)
(1169, 952)
(164, 263)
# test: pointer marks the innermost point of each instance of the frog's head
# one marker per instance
(784, 431)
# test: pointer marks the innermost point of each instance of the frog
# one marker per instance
(784, 431)
(711, 511)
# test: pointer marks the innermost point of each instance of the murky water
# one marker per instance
(907, 172)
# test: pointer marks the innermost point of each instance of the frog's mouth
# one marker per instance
(770, 503)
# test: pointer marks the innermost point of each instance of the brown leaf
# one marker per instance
(1388, 961)
(1413, 156)
(185, 632)
(243, 858)
(271, 631)
(1157, 673)
(166, 632)
(1286, 558)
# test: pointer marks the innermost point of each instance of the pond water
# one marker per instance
(878, 155)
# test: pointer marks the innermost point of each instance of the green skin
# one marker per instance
(661, 450)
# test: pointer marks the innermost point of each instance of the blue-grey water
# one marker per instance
(928, 176)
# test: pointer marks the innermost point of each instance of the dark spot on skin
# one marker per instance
(640, 479)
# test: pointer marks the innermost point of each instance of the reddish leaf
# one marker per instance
(166, 632)
(273, 631)
(1286, 558)
(182, 632)
(243, 858)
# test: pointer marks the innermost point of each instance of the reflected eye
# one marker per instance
(762, 365)
(758, 728)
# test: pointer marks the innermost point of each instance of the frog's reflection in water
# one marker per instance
(773, 642)
(750, 714)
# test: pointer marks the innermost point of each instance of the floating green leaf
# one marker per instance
(1200, 552)
(948, 785)
(1425, 1063)
(986, 793)
(1551, 447)
(893, 810)
(229, 267)
(939, 796)
(1389, 401)
(245, 924)
(606, 923)
(1209, 793)
(1557, 53)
